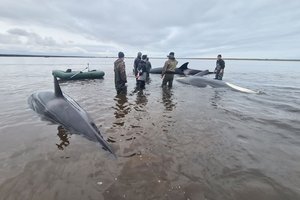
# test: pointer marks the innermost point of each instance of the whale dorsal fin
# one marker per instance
(184, 66)
(57, 90)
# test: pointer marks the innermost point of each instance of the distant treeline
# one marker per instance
(187, 58)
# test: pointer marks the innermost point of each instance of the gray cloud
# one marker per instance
(191, 28)
(9, 39)
(32, 38)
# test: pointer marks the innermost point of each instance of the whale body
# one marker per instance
(62, 109)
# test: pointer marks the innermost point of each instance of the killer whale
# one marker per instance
(62, 109)
(182, 70)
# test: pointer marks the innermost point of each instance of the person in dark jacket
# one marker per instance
(148, 66)
(142, 73)
(120, 74)
(136, 62)
(220, 66)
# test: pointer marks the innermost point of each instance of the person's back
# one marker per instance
(120, 73)
(136, 62)
(142, 73)
(170, 66)
(169, 70)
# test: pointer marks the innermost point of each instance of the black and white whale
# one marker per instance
(182, 70)
(200, 81)
(62, 109)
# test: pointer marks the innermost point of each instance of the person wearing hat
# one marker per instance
(169, 70)
(142, 73)
(120, 74)
(220, 65)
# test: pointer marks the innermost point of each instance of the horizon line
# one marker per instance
(191, 58)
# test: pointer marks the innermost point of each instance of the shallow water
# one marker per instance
(183, 143)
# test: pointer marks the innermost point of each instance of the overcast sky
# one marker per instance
(191, 28)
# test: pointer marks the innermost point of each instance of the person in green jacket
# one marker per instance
(120, 74)
(169, 70)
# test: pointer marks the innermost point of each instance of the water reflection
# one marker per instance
(167, 96)
(64, 138)
(122, 108)
(141, 98)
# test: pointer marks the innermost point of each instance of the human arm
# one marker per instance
(164, 69)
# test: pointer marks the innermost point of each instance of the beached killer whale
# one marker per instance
(200, 81)
(62, 109)
(182, 70)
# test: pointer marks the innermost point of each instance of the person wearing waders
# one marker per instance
(142, 73)
(220, 66)
(120, 74)
(136, 62)
(169, 70)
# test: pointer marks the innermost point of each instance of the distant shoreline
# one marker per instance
(188, 58)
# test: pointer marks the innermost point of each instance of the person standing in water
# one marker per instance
(148, 67)
(136, 62)
(120, 74)
(220, 66)
(169, 70)
(142, 73)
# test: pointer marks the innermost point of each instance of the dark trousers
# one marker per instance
(121, 88)
(168, 79)
(219, 75)
(140, 85)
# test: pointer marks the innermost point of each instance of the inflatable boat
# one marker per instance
(76, 75)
